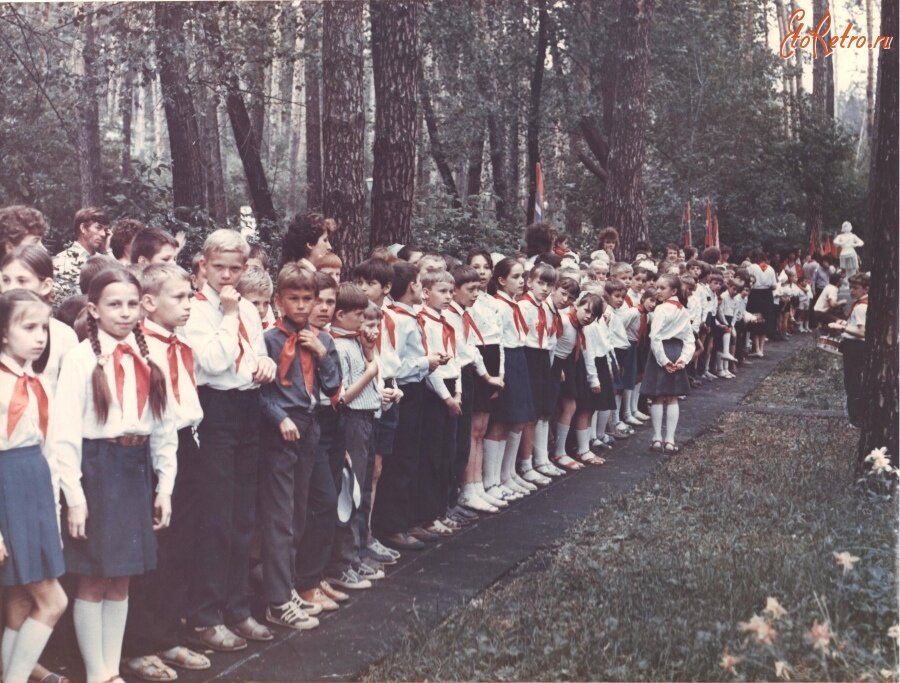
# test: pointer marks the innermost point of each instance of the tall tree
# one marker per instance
(89, 116)
(870, 75)
(881, 415)
(437, 147)
(185, 144)
(623, 206)
(343, 124)
(534, 109)
(395, 70)
(821, 115)
(126, 107)
(312, 65)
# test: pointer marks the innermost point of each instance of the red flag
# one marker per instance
(826, 247)
(538, 194)
(708, 241)
(686, 225)
(813, 242)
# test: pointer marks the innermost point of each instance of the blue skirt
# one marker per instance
(484, 401)
(117, 483)
(658, 382)
(564, 370)
(626, 359)
(540, 377)
(586, 399)
(28, 518)
(514, 405)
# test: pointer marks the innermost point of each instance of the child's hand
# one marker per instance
(162, 511)
(671, 367)
(77, 519)
(387, 394)
(289, 431)
(3, 553)
(495, 381)
(454, 406)
(265, 371)
(230, 300)
(434, 359)
(309, 340)
(679, 364)
(595, 390)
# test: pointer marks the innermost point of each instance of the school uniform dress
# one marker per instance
(486, 318)
(853, 350)
(394, 508)
(760, 300)
(29, 527)
(537, 355)
(671, 339)
(643, 341)
(565, 355)
(228, 350)
(110, 466)
(593, 369)
(627, 322)
(554, 331)
(515, 404)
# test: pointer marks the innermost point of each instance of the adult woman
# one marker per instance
(307, 239)
(761, 301)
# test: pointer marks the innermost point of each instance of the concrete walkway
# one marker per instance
(425, 587)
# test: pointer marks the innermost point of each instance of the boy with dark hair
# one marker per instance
(121, 234)
(153, 245)
(539, 239)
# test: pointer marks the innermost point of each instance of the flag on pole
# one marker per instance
(813, 242)
(686, 225)
(708, 239)
(538, 194)
(715, 222)
(826, 247)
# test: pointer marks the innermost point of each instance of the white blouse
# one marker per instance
(62, 339)
(433, 325)
(630, 318)
(75, 400)
(485, 314)
(512, 336)
(537, 317)
(466, 344)
(764, 279)
(186, 410)
(27, 431)
(413, 362)
(617, 334)
(388, 357)
(671, 321)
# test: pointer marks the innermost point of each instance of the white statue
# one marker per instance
(848, 242)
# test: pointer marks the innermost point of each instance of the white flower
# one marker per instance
(760, 628)
(782, 669)
(774, 608)
(845, 560)
(880, 461)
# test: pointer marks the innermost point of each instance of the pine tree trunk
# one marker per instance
(815, 218)
(312, 14)
(623, 206)
(296, 127)
(185, 143)
(126, 104)
(437, 148)
(534, 110)
(89, 119)
(218, 205)
(870, 75)
(160, 134)
(515, 167)
(395, 70)
(880, 428)
(281, 141)
(343, 122)
(496, 141)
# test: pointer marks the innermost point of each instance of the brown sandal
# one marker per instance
(251, 629)
(218, 638)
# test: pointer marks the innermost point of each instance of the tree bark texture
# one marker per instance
(343, 122)
(395, 70)
(497, 141)
(815, 218)
(89, 119)
(870, 74)
(126, 108)
(475, 166)
(534, 110)
(623, 206)
(218, 204)
(881, 418)
(312, 66)
(185, 144)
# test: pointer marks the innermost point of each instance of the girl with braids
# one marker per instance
(31, 558)
(30, 267)
(116, 428)
(671, 349)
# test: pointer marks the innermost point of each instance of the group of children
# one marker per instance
(215, 430)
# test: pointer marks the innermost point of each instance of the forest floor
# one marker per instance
(671, 581)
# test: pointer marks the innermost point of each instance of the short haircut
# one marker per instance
(643, 247)
(303, 231)
(835, 279)
(373, 312)
(383, 254)
(95, 265)
(539, 239)
(608, 234)
(711, 255)
(648, 293)
(17, 222)
(374, 270)
(225, 240)
(689, 252)
(569, 285)
(295, 276)
(70, 308)
(255, 280)
(621, 267)
(861, 278)
(464, 275)
(544, 273)
(550, 259)
(350, 298)
(717, 276)
(600, 263)
(149, 241)
(329, 260)
(613, 286)
(407, 251)
(323, 281)
(593, 301)
(258, 251)
(686, 280)
(121, 233)
(671, 246)
(195, 263)
(484, 253)
(436, 259)
(638, 270)
(156, 275)
(405, 273)
(88, 215)
(35, 258)
(436, 277)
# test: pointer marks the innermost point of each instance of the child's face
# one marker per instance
(563, 245)
(371, 326)
(694, 272)
(322, 309)
(483, 268)
(598, 273)
(170, 308)
(609, 246)
(297, 305)
(223, 268)
(414, 256)
(373, 289)
(638, 281)
(745, 292)
(118, 309)
(538, 289)
(732, 289)
(333, 272)
(466, 294)
(439, 296)
(715, 286)
(584, 314)
(615, 299)
(671, 255)
(166, 254)
(625, 278)
(198, 279)
(350, 320)
(16, 275)
(561, 298)
(26, 337)
(514, 283)
(665, 291)
(649, 304)
(414, 292)
(857, 291)
(260, 302)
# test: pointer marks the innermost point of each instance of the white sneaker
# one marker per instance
(731, 375)
(524, 483)
(622, 427)
(633, 421)
(489, 499)
(728, 356)
(723, 374)
(641, 416)
(535, 477)
(474, 502)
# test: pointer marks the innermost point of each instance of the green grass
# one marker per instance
(654, 585)
(813, 380)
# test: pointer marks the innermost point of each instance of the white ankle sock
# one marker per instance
(562, 433)
(88, 618)
(541, 443)
(30, 643)
(115, 613)
(671, 421)
(508, 466)
(583, 436)
(490, 466)
(6, 647)
(635, 398)
(618, 408)
(626, 402)
(602, 420)
(525, 464)
(656, 418)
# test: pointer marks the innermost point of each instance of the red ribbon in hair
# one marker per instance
(18, 402)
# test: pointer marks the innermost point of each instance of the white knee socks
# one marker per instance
(583, 436)
(115, 613)
(490, 468)
(6, 647)
(602, 417)
(626, 403)
(562, 433)
(88, 618)
(29, 645)
(541, 447)
(618, 415)
(671, 421)
(656, 418)
(508, 466)
(635, 397)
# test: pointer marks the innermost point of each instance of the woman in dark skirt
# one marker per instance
(115, 434)
(761, 302)
(31, 557)
(671, 348)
